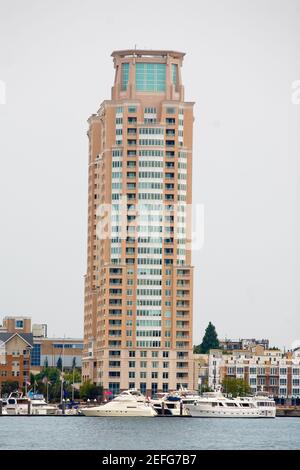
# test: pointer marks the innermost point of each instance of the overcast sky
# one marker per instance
(242, 58)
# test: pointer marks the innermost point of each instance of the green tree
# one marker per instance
(209, 341)
(90, 390)
(75, 373)
(59, 363)
(9, 386)
(236, 387)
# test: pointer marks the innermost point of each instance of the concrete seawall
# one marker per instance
(291, 412)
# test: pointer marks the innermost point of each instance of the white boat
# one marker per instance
(188, 397)
(39, 406)
(16, 404)
(265, 405)
(3, 411)
(169, 404)
(33, 404)
(128, 403)
(216, 405)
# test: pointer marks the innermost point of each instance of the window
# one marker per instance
(114, 373)
(171, 110)
(114, 387)
(36, 355)
(132, 109)
(150, 110)
(174, 74)
(150, 76)
(19, 324)
(125, 76)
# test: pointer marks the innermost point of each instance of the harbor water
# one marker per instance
(67, 432)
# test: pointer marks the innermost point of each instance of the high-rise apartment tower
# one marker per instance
(139, 281)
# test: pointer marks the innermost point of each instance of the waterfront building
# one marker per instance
(15, 350)
(139, 280)
(43, 350)
(238, 344)
(200, 372)
(50, 351)
(271, 371)
(16, 324)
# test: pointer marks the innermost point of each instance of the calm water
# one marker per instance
(142, 433)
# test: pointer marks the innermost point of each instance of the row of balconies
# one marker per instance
(179, 294)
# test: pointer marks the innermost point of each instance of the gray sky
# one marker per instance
(242, 58)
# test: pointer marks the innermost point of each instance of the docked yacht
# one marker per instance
(216, 405)
(128, 403)
(265, 405)
(16, 404)
(39, 406)
(168, 404)
(33, 404)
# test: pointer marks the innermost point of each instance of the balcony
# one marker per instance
(182, 344)
(115, 301)
(182, 334)
(183, 282)
(114, 271)
(115, 333)
(115, 282)
(182, 314)
(183, 303)
(183, 272)
(115, 311)
(115, 291)
(182, 365)
(131, 131)
(183, 293)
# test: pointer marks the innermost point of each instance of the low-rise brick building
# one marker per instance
(15, 357)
